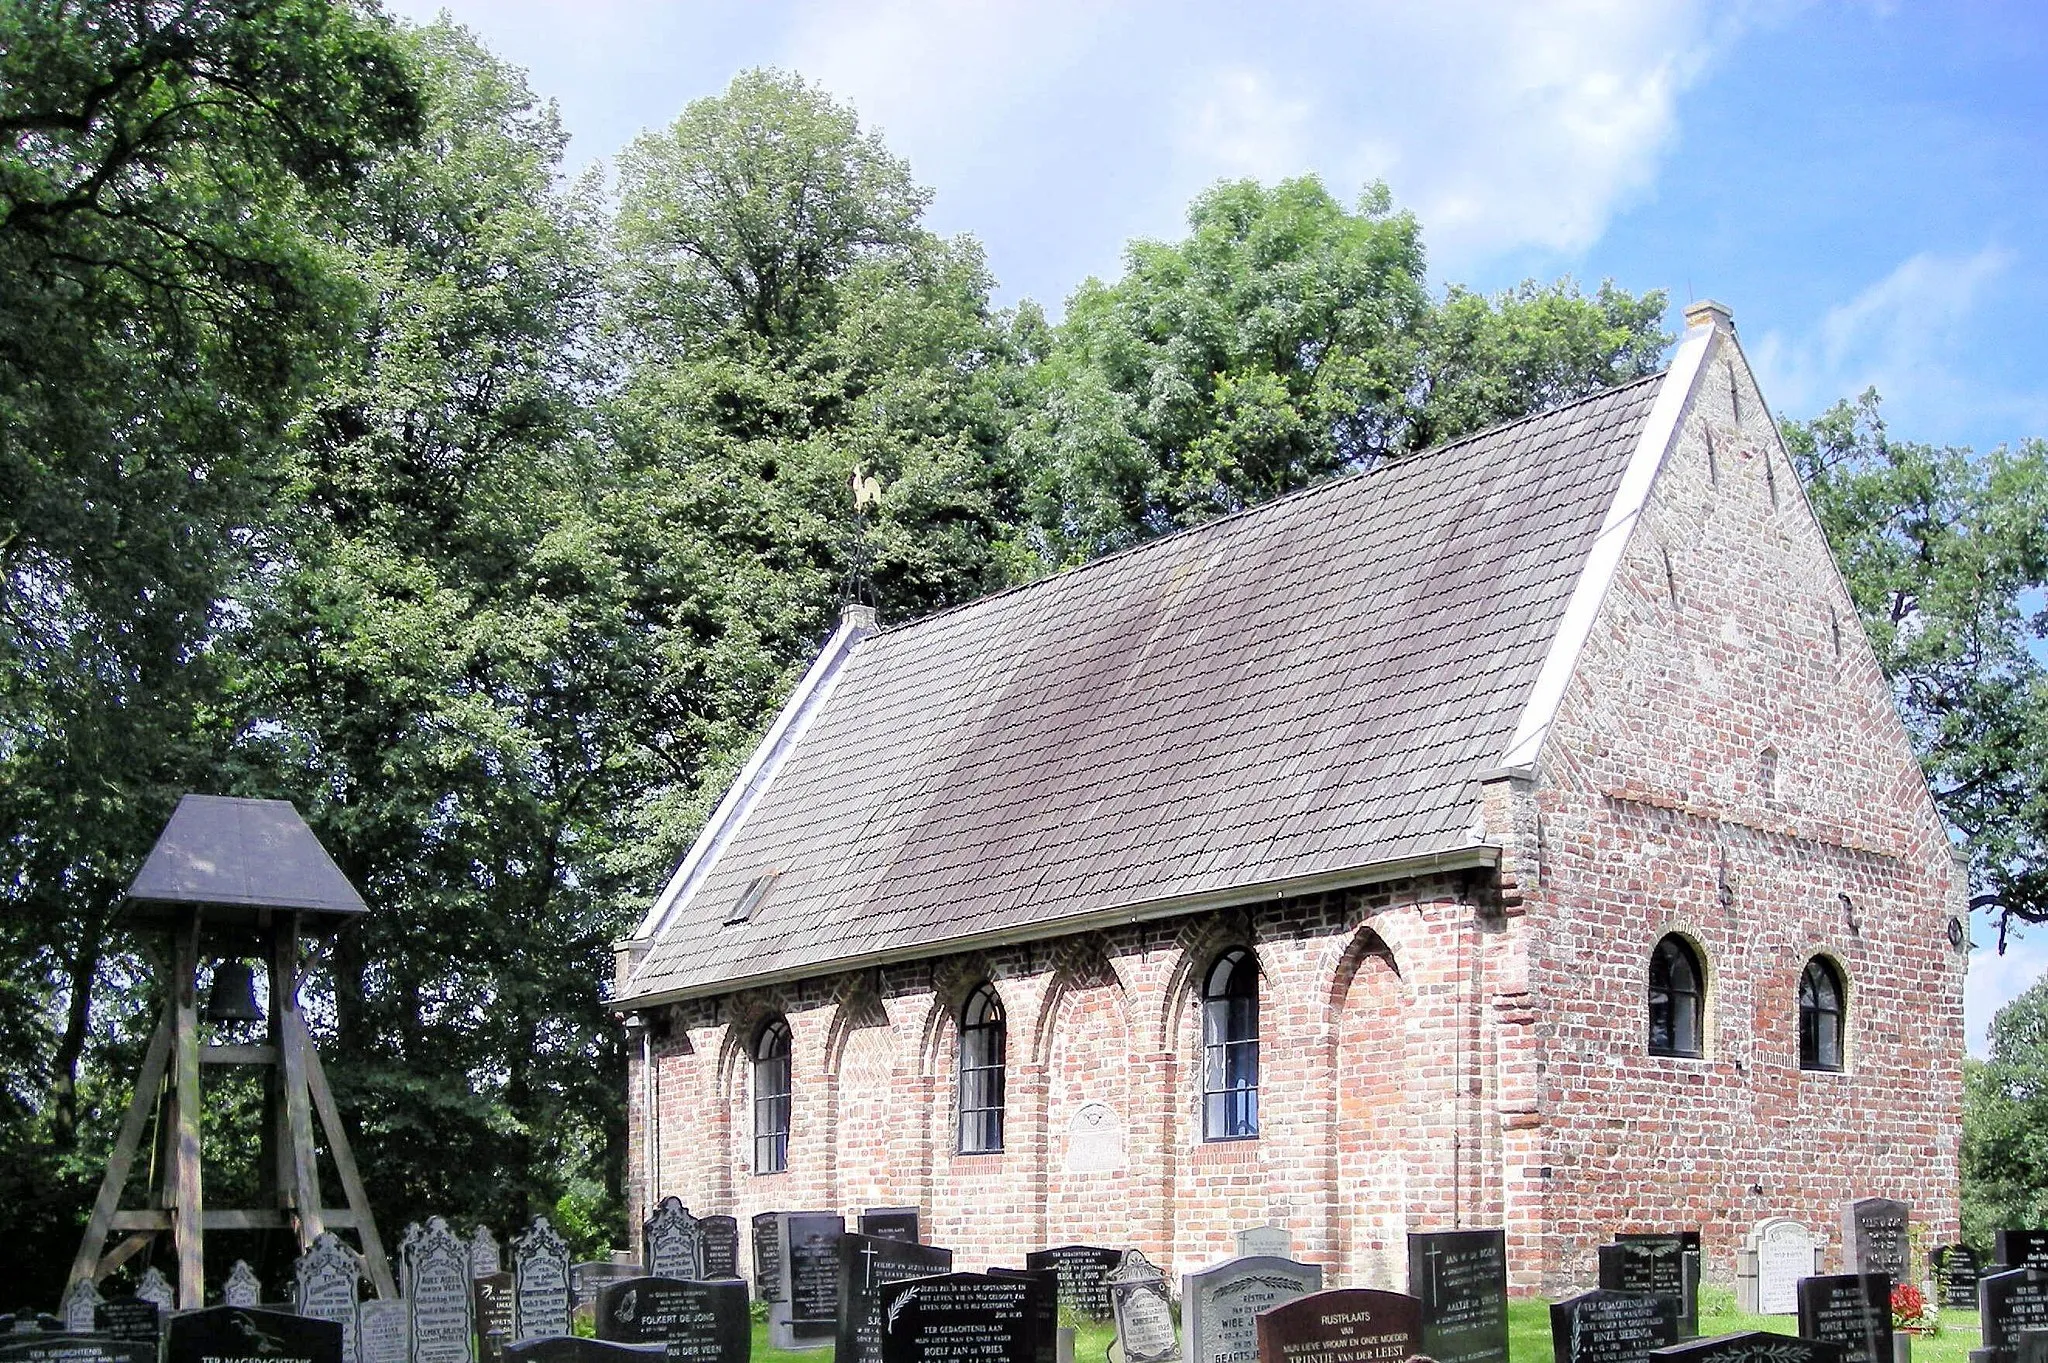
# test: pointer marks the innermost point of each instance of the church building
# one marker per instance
(1517, 834)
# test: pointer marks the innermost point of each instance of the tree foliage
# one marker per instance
(2005, 1123)
(1946, 555)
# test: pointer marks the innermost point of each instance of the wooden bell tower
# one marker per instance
(230, 880)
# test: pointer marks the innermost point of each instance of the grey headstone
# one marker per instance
(1271, 1241)
(484, 1259)
(380, 1331)
(541, 1297)
(1083, 1275)
(670, 1244)
(154, 1286)
(1853, 1310)
(1461, 1279)
(1875, 1237)
(867, 1264)
(1219, 1304)
(80, 1305)
(327, 1284)
(1142, 1307)
(698, 1322)
(955, 1317)
(434, 1264)
(1612, 1327)
(242, 1287)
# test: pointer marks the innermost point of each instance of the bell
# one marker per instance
(232, 997)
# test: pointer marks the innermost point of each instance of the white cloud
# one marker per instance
(1241, 125)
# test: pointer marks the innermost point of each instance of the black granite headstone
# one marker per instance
(1461, 1279)
(1666, 1263)
(1612, 1327)
(720, 1237)
(572, 1349)
(867, 1264)
(2008, 1303)
(1045, 1307)
(240, 1334)
(2021, 1248)
(813, 1251)
(130, 1318)
(35, 1322)
(767, 1228)
(588, 1278)
(1342, 1325)
(1876, 1237)
(491, 1310)
(1750, 1346)
(60, 1346)
(891, 1223)
(1955, 1267)
(1084, 1275)
(966, 1318)
(699, 1322)
(2031, 1346)
(1853, 1310)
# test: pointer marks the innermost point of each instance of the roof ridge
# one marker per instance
(1382, 465)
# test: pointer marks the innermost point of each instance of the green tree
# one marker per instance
(1946, 555)
(1284, 340)
(2005, 1123)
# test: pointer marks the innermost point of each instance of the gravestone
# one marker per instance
(1955, 1268)
(64, 1346)
(720, 1238)
(1043, 1304)
(154, 1286)
(867, 1264)
(34, 1322)
(767, 1243)
(243, 1334)
(1142, 1307)
(2031, 1346)
(327, 1282)
(1874, 1237)
(541, 1298)
(1345, 1325)
(490, 1308)
(1083, 1272)
(130, 1319)
(571, 1349)
(669, 1242)
(242, 1287)
(434, 1266)
(1612, 1327)
(1853, 1310)
(966, 1318)
(2008, 1303)
(1272, 1241)
(380, 1331)
(588, 1277)
(1750, 1346)
(1784, 1252)
(2021, 1248)
(484, 1259)
(1461, 1279)
(1668, 1265)
(1220, 1304)
(891, 1223)
(698, 1322)
(81, 1307)
(807, 1315)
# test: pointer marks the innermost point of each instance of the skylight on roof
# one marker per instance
(751, 897)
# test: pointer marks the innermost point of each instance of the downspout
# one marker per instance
(637, 1025)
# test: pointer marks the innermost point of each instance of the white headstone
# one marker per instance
(242, 1287)
(154, 1286)
(673, 1246)
(484, 1260)
(328, 1284)
(436, 1268)
(79, 1304)
(1784, 1255)
(1272, 1240)
(380, 1331)
(541, 1299)
(1095, 1140)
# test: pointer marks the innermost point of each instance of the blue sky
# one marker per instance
(1864, 184)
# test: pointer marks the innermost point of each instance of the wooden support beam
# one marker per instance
(188, 1225)
(150, 1220)
(122, 1253)
(345, 1165)
(126, 1143)
(293, 1045)
(238, 1055)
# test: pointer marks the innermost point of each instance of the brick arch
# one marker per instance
(953, 979)
(1078, 963)
(863, 1058)
(1201, 942)
(1368, 999)
(1083, 1045)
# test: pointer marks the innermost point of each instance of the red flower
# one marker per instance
(1908, 1304)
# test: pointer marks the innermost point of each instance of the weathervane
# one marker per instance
(859, 589)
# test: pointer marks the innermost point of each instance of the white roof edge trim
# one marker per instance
(767, 760)
(1596, 575)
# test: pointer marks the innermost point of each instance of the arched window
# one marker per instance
(771, 1097)
(982, 1054)
(1230, 1048)
(1676, 993)
(1820, 1015)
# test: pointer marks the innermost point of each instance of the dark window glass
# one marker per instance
(1820, 1016)
(982, 1054)
(771, 1098)
(1230, 1048)
(1675, 998)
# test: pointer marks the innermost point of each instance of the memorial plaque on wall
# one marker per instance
(1750, 1346)
(966, 1318)
(1461, 1279)
(1344, 1325)
(767, 1243)
(541, 1297)
(1083, 1274)
(241, 1334)
(435, 1266)
(1665, 1264)
(131, 1319)
(1875, 1237)
(1611, 1327)
(891, 1223)
(62, 1346)
(812, 1241)
(1220, 1304)
(698, 1322)
(1853, 1310)
(380, 1331)
(1141, 1305)
(1955, 1268)
(720, 1238)
(491, 1311)
(867, 1264)
(569, 1349)
(327, 1284)
(2021, 1248)
(670, 1244)
(2008, 1303)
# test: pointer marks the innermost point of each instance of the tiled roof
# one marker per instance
(1306, 688)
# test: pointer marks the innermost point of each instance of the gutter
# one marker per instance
(1478, 856)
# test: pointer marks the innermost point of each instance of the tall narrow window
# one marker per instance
(771, 1098)
(1230, 1048)
(982, 1052)
(1820, 1016)
(1675, 998)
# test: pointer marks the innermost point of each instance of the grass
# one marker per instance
(1528, 1336)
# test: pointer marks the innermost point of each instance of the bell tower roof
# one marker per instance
(236, 858)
